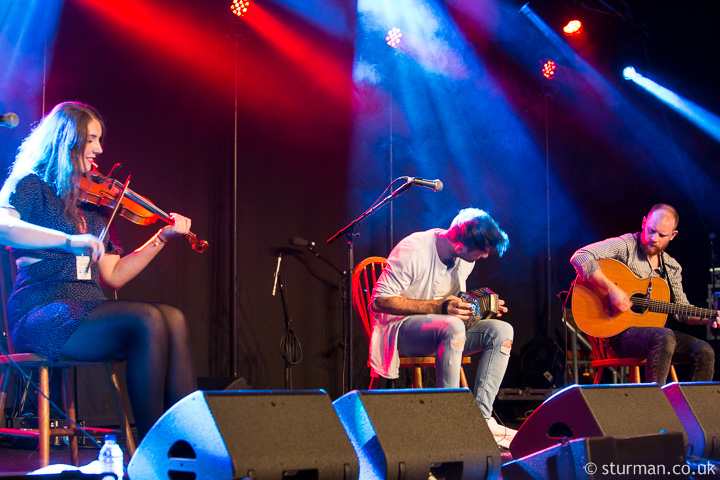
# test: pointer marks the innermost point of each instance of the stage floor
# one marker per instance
(21, 461)
(14, 460)
(17, 460)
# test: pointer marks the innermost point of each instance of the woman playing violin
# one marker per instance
(57, 307)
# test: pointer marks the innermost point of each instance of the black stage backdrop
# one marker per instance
(170, 123)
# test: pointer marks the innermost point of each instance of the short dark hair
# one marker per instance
(477, 230)
(668, 209)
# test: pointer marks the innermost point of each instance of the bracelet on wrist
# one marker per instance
(68, 244)
(158, 240)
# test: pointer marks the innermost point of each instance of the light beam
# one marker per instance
(700, 117)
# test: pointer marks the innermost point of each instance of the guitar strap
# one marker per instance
(667, 277)
(672, 292)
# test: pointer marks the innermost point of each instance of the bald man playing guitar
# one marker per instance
(627, 302)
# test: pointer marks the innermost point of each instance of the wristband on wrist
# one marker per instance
(68, 244)
(445, 306)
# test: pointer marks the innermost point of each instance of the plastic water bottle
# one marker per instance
(111, 457)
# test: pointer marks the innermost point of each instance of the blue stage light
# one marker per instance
(629, 73)
(699, 116)
(27, 43)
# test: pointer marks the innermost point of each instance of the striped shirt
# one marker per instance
(627, 249)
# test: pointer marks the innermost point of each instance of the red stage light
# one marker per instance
(574, 27)
(548, 69)
(240, 7)
(393, 37)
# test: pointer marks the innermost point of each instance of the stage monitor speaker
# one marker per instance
(646, 457)
(64, 475)
(619, 411)
(256, 434)
(410, 434)
(697, 405)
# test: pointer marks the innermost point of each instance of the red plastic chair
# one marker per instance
(365, 275)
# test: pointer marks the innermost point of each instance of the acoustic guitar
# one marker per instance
(594, 314)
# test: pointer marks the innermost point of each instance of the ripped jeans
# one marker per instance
(444, 336)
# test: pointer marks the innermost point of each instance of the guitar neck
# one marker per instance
(674, 308)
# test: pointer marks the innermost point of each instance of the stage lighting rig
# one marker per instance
(393, 37)
(573, 28)
(548, 69)
(240, 7)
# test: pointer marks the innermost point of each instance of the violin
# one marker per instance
(98, 189)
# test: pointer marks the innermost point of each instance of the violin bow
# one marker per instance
(118, 202)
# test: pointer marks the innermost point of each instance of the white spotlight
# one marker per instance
(629, 73)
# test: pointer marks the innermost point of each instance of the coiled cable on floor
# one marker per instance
(290, 347)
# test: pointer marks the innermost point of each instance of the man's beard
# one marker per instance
(651, 249)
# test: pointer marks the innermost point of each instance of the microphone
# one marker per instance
(301, 242)
(277, 273)
(9, 120)
(436, 184)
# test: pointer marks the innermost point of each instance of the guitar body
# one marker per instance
(594, 314)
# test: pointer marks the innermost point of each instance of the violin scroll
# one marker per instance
(198, 246)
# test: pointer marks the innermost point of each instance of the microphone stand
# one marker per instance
(349, 233)
(290, 347)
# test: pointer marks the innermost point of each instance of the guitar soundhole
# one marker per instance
(639, 304)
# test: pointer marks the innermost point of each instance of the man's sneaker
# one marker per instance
(502, 434)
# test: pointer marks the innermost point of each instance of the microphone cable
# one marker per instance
(290, 347)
